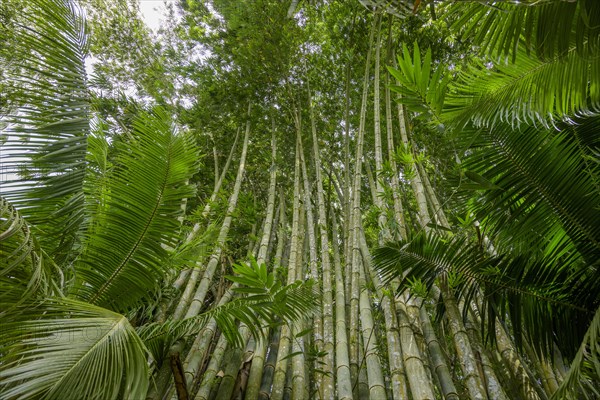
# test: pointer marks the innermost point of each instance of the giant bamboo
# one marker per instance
(281, 365)
(317, 332)
(256, 368)
(342, 361)
(354, 257)
(326, 388)
(198, 299)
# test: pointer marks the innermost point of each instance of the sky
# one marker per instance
(152, 11)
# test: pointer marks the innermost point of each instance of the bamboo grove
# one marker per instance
(300, 200)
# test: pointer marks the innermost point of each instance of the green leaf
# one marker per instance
(304, 332)
(48, 121)
(123, 256)
(484, 183)
(65, 349)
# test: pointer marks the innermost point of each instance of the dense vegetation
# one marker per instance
(300, 199)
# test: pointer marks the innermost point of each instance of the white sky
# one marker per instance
(153, 11)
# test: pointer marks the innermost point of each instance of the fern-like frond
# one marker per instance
(584, 374)
(43, 155)
(528, 91)
(69, 350)
(263, 301)
(23, 271)
(539, 296)
(124, 257)
(541, 184)
(421, 84)
(544, 27)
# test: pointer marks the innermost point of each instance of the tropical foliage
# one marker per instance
(283, 199)
(89, 223)
(528, 129)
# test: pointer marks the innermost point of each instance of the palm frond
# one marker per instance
(544, 27)
(123, 258)
(584, 374)
(264, 301)
(535, 195)
(24, 272)
(47, 121)
(540, 297)
(64, 349)
(422, 84)
(528, 91)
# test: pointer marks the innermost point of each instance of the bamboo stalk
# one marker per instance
(342, 361)
(200, 294)
(492, 383)
(256, 369)
(326, 386)
(438, 358)
(356, 216)
(211, 375)
(281, 365)
(462, 344)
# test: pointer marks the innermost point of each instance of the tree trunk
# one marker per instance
(198, 299)
(356, 214)
(342, 361)
(281, 365)
(256, 368)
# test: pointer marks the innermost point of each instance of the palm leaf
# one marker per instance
(65, 349)
(422, 85)
(541, 298)
(24, 272)
(584, 374)
(123, 256)
(263, 301)
(528, 91)
(47, 121)
(535, 196)
(544, 27)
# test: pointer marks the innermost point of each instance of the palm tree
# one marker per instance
(528, 130)
(85, 229)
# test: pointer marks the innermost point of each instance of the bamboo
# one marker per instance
(269, 368)
(211, 375)
(191, 275)
(420, 385)
(438, 358)
(297, 373)
(317, 320)
(256, 369)
(416, 183)
(438, 211)
(369, 337)
(462, 344)
(232, 367)
(281, 365)
(198, 351)
(398, 375)
(326, 387)
(395, 183)
(342, 361)
(356, 215)
(382, 219)
(492, 383)
(200, 294)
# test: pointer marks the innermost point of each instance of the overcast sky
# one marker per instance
(152, 11)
